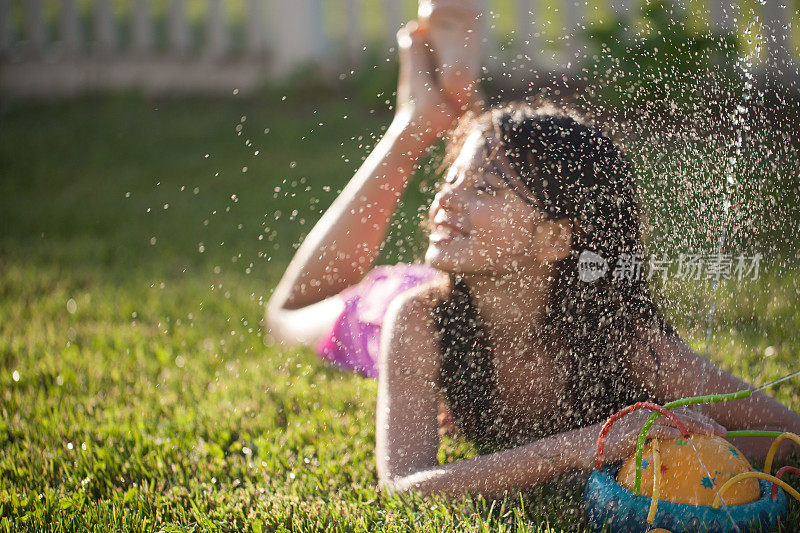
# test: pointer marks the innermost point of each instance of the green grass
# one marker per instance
(137, 389)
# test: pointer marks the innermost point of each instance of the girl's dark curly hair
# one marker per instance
(575, 172)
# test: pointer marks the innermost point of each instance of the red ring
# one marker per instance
(792, 470)
(601, 438)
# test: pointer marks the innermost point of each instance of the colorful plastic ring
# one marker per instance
(609, 505)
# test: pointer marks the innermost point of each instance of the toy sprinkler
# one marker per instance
(697, 483)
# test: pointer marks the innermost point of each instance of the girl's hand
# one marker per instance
(621, 441)
(422, 107)
(455, 42)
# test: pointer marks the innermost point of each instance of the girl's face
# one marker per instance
(478, 223)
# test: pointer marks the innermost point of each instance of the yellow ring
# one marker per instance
(651, 514)
(774, 448)
(746, 475)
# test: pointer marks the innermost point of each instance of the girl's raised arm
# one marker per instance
(343, 245)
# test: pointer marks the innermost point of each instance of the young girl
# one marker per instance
(530, 357)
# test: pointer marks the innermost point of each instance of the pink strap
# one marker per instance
(354, 341)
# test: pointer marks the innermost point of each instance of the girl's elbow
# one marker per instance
(388, 487)
(420, 483)
(275, 313)
(275, 322)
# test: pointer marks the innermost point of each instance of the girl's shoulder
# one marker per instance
(420, 299)
(410, 340)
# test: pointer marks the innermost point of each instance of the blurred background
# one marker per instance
(70, 47)
(161, 160)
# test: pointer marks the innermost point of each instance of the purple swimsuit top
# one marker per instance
(354, 340)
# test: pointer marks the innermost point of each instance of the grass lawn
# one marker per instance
(139, 241)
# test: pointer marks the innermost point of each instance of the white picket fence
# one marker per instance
(66, 47)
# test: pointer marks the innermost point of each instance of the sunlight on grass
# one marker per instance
(139, 392)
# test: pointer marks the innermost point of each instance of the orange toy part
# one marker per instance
(683, 479)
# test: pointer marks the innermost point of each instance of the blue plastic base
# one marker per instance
(610, 507)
